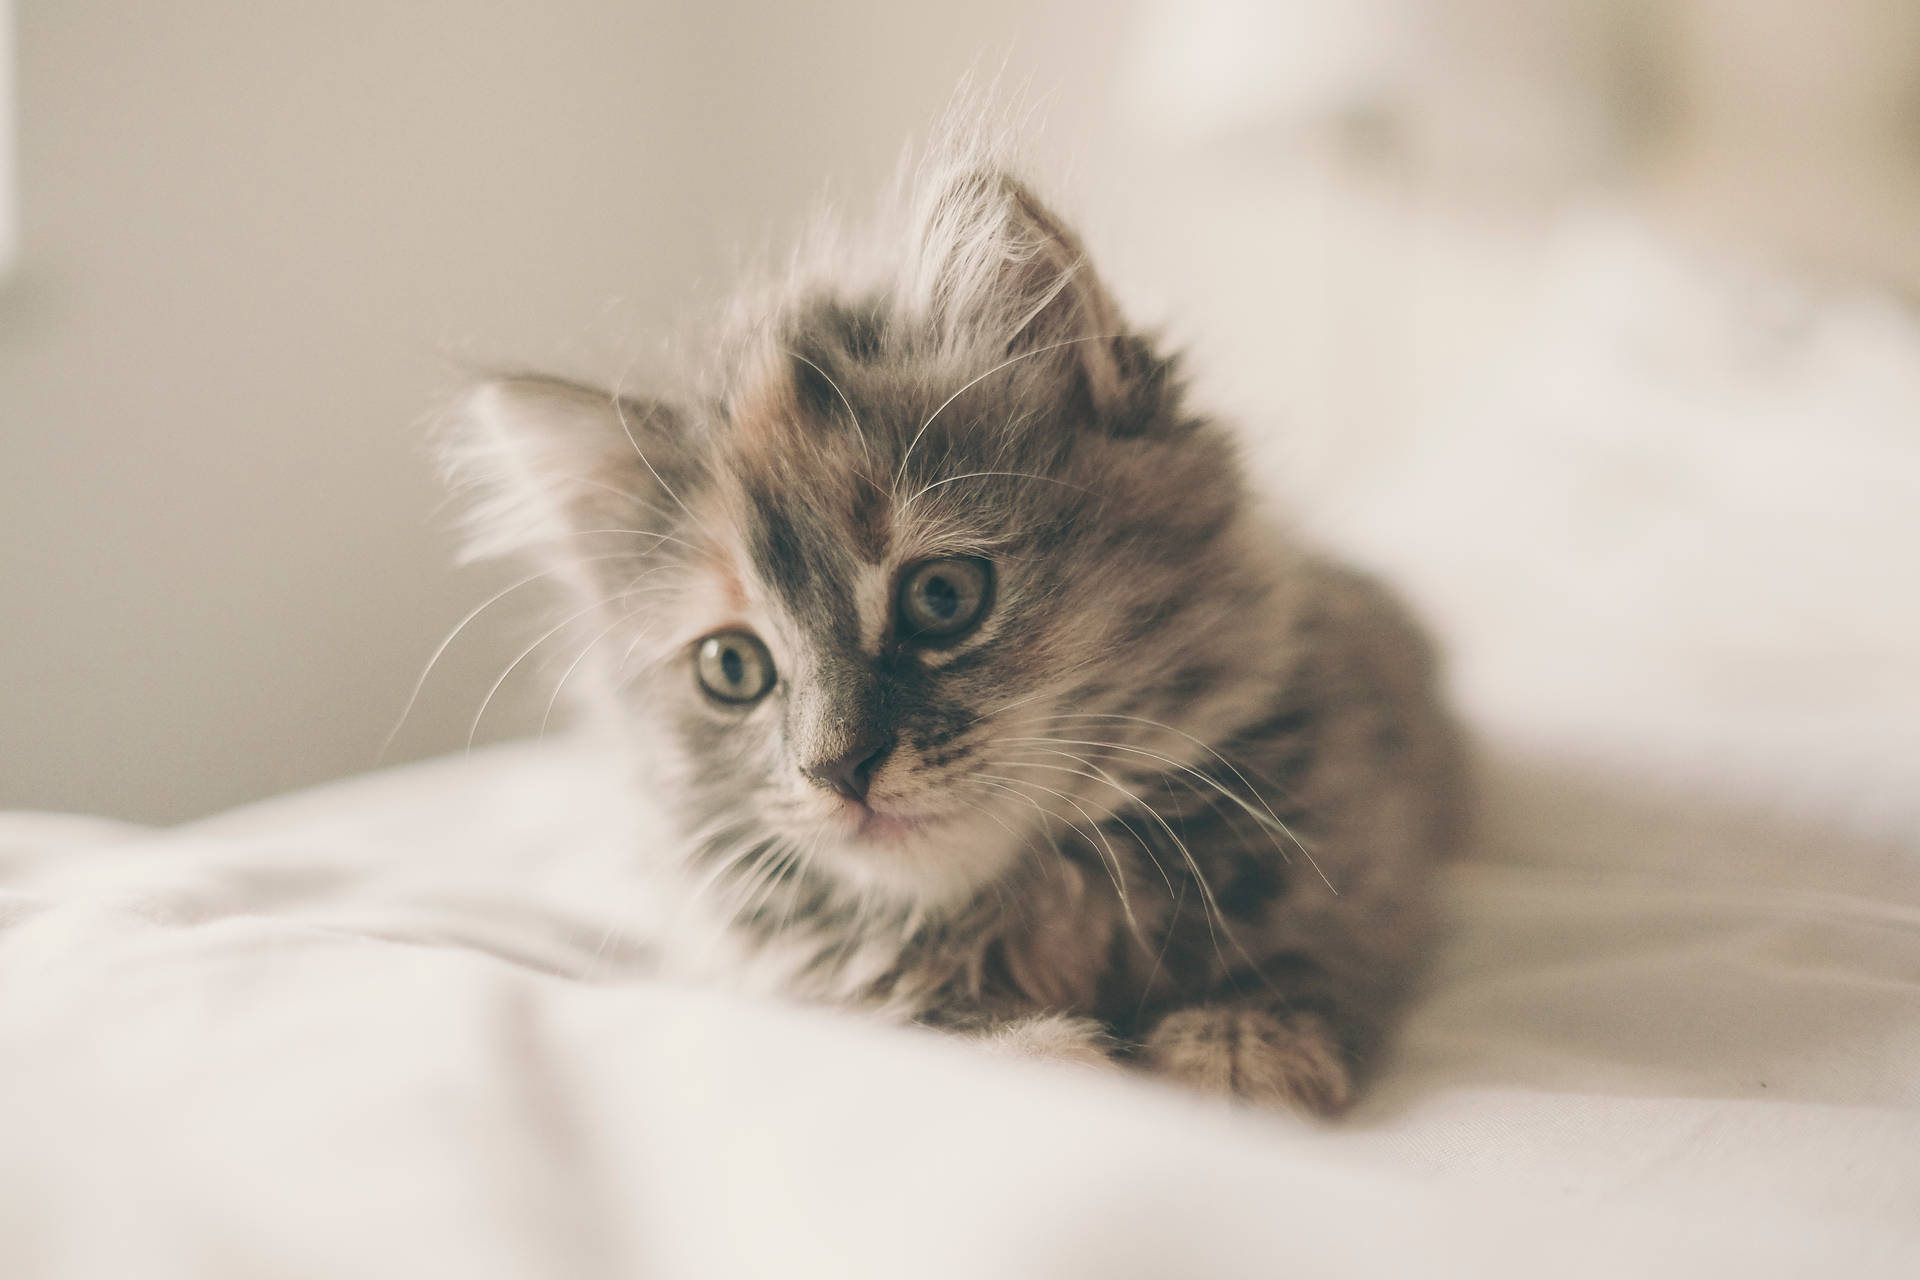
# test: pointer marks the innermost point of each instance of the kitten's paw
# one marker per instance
(1291, 1061)
(1052, 1037)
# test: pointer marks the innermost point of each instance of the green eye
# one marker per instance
(939, 599)
(734, 666)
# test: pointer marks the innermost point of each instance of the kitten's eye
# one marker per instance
(942, 598)
(734, 666)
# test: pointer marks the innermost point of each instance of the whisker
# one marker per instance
(1193, 865)
(994, 818)
(622, 677)
(655, 534)
(1009, 431)
(858, 431)
(774, 866)
(1206, 889)
(1211, 903)
(727, 889)
(526, 653)
(1020, 702)
(620, 412)
(1115, 877)
(1006, 901)
(617, 492)
(727, 849)
(901, 471)
(972, 475)
(1026, 842)
(460, 626)
(1270, 817)
(1160, 956)
(800, 874)
(592, 644)
(1115, 870)
(1026, 761)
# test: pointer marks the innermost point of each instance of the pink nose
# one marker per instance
(848, 773)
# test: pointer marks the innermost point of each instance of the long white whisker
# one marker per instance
(620, 412)
(1011, 360)
(774, 865)
(972, 475)
(800, 873)
(858, 430)
(751, 848)
(1111, 868)
(1045, 818)
(592, 644)
(460, 626)
(655, 534)
(1193, 865)
(995, 818)
(1208, 899)
(526, 653)
(1119, 875)
(742, 845)
(1183, 768)
(617, 492)
(1209, 797)
(1032, 697)
(1120, 888)
(1160, 956)
(620, 668)
(1271, 820)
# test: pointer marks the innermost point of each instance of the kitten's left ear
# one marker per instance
(549, 460)
(996, 257)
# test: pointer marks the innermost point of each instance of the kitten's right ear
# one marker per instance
(547, 460)
(991, 259)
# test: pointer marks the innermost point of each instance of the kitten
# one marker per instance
(983, 698)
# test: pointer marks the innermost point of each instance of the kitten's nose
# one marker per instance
(849, 773)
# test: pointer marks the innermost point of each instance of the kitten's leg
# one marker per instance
(1255, 1049)
(1053, 1037)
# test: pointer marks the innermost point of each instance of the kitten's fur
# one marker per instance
(1172, 801)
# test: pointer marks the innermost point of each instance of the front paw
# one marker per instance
(1051, 1037)
(1291, 1060)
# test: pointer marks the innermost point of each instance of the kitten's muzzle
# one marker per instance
(849, 773)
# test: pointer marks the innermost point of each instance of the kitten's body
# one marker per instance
(1170, 794)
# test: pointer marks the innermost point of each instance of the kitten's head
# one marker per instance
(921, 539)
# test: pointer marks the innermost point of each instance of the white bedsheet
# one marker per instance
(396, 1026)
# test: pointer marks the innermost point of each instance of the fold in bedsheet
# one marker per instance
(400, 1026)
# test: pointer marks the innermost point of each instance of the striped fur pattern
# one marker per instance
(1171, 802)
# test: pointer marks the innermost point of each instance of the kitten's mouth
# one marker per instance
(929, 857)
(881, 826)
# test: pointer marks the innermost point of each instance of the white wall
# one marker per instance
(9, 213)
(261, 241)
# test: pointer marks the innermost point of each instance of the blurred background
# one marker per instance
(1590, 323)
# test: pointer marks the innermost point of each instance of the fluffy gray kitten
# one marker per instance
(983, 697)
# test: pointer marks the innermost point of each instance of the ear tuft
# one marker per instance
(992, 261)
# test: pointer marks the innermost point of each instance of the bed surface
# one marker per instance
(400, 1025)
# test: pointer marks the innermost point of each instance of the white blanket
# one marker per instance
(395, 1027)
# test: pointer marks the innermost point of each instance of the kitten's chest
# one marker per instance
(1063, 941)
(1109, 928)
